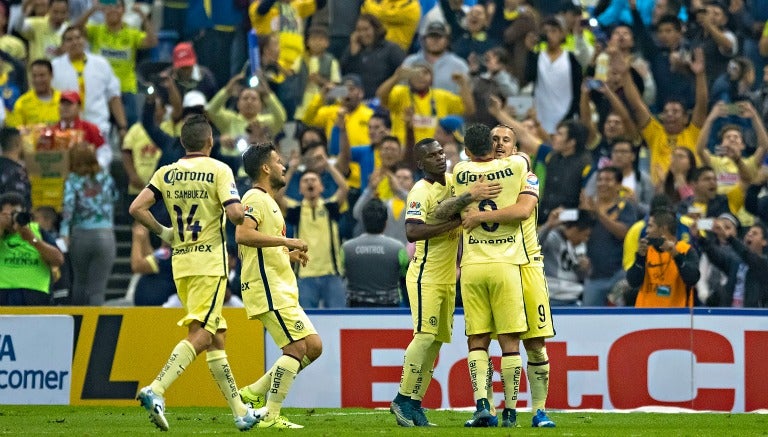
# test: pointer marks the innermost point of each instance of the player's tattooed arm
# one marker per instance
(480, 190)
(452, 205)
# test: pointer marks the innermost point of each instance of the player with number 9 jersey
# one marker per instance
(195, 189)
(493, 242)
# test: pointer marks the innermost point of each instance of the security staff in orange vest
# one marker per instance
(665, 269)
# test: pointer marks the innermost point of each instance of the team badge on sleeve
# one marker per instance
(414, 208)
(531, 183)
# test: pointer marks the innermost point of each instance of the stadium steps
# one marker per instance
(121, 271)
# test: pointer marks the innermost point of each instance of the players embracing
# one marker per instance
(502, 281)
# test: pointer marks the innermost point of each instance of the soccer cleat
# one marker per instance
(509, 418)
(403, 412)
(280, 422)
(541, 420)
(155, 405)
(493, 421)
(482, 415)
(251, 418)
(255, 402)
(419, 418)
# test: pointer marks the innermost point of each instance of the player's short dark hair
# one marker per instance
(665, 219)
(374, 216)
(256, 156)
(195, 133)
(477, 139)
(418, 148)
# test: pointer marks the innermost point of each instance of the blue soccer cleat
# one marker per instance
(403, 412)
(482, 416)
(541, 420)
(251, 418)
(509, 418)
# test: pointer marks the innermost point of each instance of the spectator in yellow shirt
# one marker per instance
(140, 153)
(350, 100)
(39, 105)
(44, 33)
(428, 103)
(399, 17)
(119, 43)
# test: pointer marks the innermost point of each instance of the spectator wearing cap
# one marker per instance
(557, 77)
(70, 122)
(119, 43)
(39, 105)
(348, 105)
(426, 102)
(44, 34)
(316, 68)
(745, 265)
(188, 74)
(370, 55)
(92, 77)
(399, 17)
(435, 53)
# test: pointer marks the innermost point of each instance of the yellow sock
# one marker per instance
(478, 372)
(427, 370)
(490, 387)
(222, 374)
(538, 378)
(285, 370)
(181, 357)
(511, 368)
(413, 361)
(261, 385)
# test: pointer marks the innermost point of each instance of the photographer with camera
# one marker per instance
(25, 258)
(665, 269)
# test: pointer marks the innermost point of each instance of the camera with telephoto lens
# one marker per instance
(22, 218)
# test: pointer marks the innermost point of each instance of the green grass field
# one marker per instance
(103, 421)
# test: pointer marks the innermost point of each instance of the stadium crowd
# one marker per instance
(644, 121)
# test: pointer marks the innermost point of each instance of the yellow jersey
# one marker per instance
(662, 144)
(529, 225)
(119, 48)
(195, 189)
(267, 281)
(318, 226)
(427, 109)
(144, 153)
(29, 110)
(434, 261)
(494, 242)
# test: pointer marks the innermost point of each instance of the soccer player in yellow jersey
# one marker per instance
(491, 282)
(535, 290)
(270, 291)
(431, 278)
(196, 190)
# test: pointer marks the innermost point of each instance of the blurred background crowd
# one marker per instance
(644, 120)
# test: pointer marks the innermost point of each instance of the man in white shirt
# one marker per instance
(91, 76)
